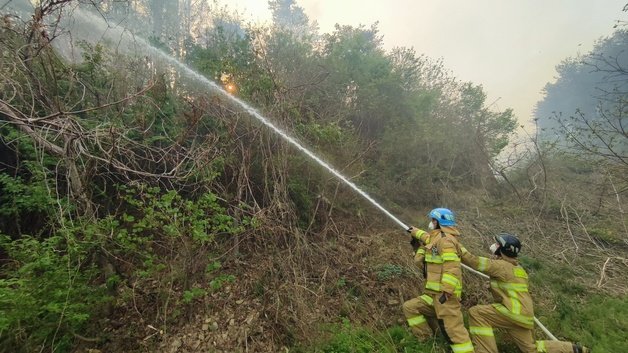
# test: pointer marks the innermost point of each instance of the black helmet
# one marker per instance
(509, 244)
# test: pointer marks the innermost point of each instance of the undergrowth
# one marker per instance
(347, 337)
(50, 287)
(574, 312)
(599, 322)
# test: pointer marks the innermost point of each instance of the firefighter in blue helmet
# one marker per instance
(438, 255)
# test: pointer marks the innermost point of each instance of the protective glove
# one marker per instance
(494, 248)
(415, 243)
(416, 232)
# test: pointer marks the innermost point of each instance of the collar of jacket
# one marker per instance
(450, 230)
(511, 260)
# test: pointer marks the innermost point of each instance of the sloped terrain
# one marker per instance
(286, 298)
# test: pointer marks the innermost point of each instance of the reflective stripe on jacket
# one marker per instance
(509, 284)
(419, 256)
(442, 262)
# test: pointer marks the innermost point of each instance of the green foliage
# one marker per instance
(598, 322)
(218, 280)
(341, 282)
(50, 288)
(46, 291)
(155, 220)
(190, 295)
(560, 278)
(113, 281)
(492, 130)
(595, 320)
(212, 266)
(18, 197)
(530, 263)
(302, 198)
(329, 135)
(349, 338)
(217, 283)
(406, 342)
(94, 68)
(230, 59)
(33, 162)
(606, 236)
(397, 121)
(388, 272)
(27, 200)
(169, 214)
(287, 15)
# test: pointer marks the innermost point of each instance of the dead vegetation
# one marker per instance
(286, 295)
(303, 266)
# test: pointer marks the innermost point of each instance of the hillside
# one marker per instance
(147, 206)
(343, 293)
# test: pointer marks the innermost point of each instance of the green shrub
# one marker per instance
(46, 292)
(51, 287)
(18, 197)
(190, 295)
(217, 283)
(387, 272)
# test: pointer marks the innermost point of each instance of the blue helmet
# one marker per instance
(444, 217)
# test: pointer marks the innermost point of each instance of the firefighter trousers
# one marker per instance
(482, 320)
(425, 313)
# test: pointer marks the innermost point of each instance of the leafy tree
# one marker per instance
(361, 76)
(289, 16)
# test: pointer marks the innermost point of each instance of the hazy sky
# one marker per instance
(509, 46)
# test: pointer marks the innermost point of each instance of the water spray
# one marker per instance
(121, 33)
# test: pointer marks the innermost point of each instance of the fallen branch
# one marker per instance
(603, 273)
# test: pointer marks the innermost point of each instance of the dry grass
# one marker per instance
(288, 284)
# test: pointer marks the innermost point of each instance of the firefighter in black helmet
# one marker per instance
(513, 312)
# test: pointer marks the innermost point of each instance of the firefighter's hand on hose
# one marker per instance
(415, 243)
(416, 232)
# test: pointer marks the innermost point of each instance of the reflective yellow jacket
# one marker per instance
(441, 257)
(509, 285)
(419, 256)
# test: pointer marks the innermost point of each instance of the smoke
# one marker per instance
(73, 23)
